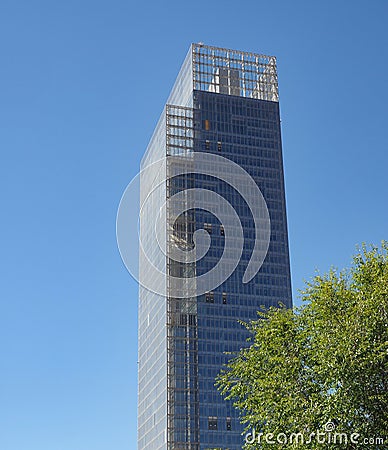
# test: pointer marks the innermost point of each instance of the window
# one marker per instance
(212, 423)
(208, 227)
(209, 297)
(207, 125)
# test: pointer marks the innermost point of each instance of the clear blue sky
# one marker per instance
(82, 84)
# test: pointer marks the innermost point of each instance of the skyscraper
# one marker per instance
(214, 243)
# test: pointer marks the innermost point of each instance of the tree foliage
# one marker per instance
(322, 367)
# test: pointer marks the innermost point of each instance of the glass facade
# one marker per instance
(152, 333)
(224, 103)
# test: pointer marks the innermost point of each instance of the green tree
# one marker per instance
(319, 368)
